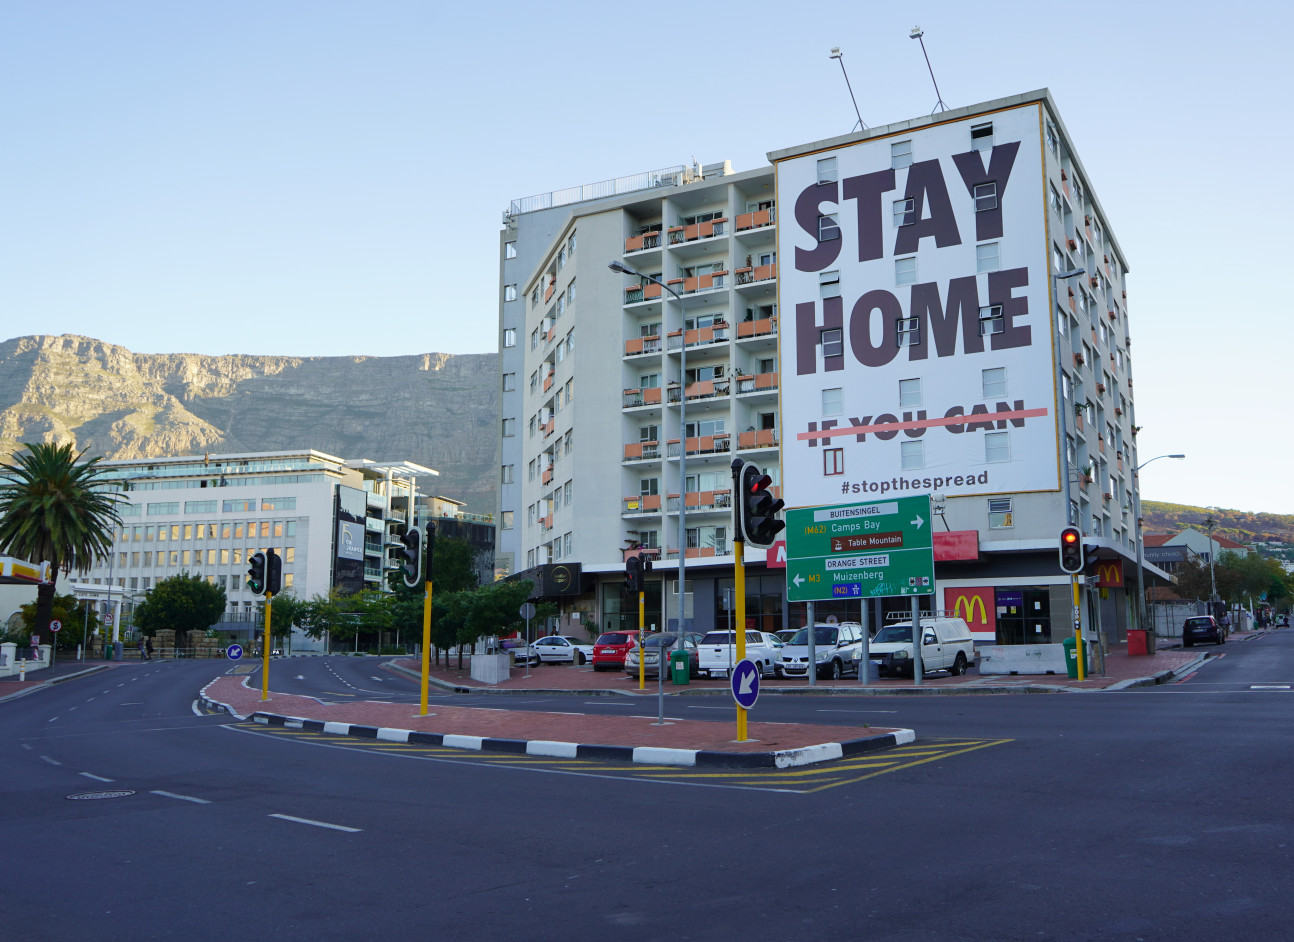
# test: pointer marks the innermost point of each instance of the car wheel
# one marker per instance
(837, 670)
(1187, 644)
(959, 666)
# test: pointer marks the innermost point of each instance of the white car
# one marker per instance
(718, 652)
(558, 649)
(946, 645)
(835, 648)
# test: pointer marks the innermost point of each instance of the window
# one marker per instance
(567, 491)
(982, 136)
(833, 461)
(509, 428)
(829, 284)
(534, 423)
(199, 506)
(1058, 262)
(237, 506)
(901, 154)
(827, 170)
(570, 246)
(905, 212)
(997, 446)
(290, 554)
(508, 517)
(999, 513)
(509, 336)
(561, 258)
(509, 249)
(905, 270)
(165, 507)
(828, 228)
(1057, 206)
(534, 339)
(908, 331)
(509, 471)
(833, 401)
(833, 342)
(570, 293)
(277, 503)
(912, 455)
(1052, 143)
(566, 541)
(509, 382)
(985, 197)
(568, 441)
(990, 320)
(986, 257)
(509, 292)
(993, 382)
(534, 297)
(909, 392)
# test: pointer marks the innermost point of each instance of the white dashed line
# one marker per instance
(196, 801)
(97, 778)
(317, 824)
(51, 761)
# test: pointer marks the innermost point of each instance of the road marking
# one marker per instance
(51, 761)
(97, 778)
(858, 711)
(196, 801)
(318, 824)
(1269, 686)
(51, 719)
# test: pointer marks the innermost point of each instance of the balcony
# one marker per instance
(703, 389)
(759, 438)
(750, 276)
(638, 346)
(548, 292)
(546, 523)
(699, 230)
(747, 221)
(759, 328)
(648, 240)
(549, 427)
(636, 293)
(700, 552)
(548, 382)
(710, 282)
(703, 445)
(546, 477)
(699, 337)
(632, 398)
(702, 501)
(642, 451)
(642, 504)
(760, 382)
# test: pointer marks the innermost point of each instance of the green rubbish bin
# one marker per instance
(1072, 654)
(680, 668)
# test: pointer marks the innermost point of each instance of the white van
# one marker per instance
(946, 646)
(718, 652)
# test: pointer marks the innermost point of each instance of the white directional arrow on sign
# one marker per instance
(744, 685)
(918, 522)
(797, 580)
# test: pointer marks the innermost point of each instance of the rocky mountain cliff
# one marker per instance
(434, 409)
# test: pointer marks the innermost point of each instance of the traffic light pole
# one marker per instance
(265, 649)
(1079, 653)
(739, 582)
(642, 654)
(427, 563)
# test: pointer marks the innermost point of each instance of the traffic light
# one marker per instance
(758, 508)
(633, 575)
(273, 572)
(1071, 550)
(412, 554)
(256, 574)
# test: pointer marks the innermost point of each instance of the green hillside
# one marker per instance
(1243, 526)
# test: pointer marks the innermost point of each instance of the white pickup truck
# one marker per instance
(946, 646)
(718, 652)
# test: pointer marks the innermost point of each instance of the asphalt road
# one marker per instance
(1160, 813)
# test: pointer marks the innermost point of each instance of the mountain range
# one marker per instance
(434, 409)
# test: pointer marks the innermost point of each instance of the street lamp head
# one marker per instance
(916, 33)
(835, 52)
(621, 267)
(1074, 273)
(1177, 456)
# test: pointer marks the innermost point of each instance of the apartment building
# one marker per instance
(911, 320)
(332, 520)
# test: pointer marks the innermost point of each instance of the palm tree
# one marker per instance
(58, 509)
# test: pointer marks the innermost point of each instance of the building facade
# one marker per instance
(909, 320)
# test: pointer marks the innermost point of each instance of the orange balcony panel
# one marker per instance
(548, 294)
(651, 291)
(651, 502)
(633, 347)
(766, 436)
(764, 272)
(746, 439)
(765, 380)
(634, 243)
(651, 397)
(699, 389)
(548, 382)
(547, 477)
(755, 328)
(692, 232)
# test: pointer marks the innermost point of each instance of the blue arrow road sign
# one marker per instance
(745, 683)
(234, 652)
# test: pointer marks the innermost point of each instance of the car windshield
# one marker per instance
(1199, 622)
(821, 635)
(655, 641)
(615, 637)
(718, 637)
(894, 634)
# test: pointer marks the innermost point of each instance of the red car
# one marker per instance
(610, 649)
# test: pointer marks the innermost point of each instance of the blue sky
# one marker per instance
(316, 178)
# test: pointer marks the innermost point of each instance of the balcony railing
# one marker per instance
(698, 230)
(642, 504)
(700, 552)
(699, 337)
(759, 438)
(636, 293)
(765, 217)
(702, 500)
(692, 285)
(640, 397)
(703, 389)
(759, 328)
(760, 382)
(648, 240)
(642, 451)
(637, 346)
(546, 477)
(749, 276)
(703, 445)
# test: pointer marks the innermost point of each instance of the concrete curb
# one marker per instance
(55, 680)
(1161, 677)
(648, 755)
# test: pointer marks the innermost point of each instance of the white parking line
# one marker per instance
(51, 761)
(196, 801)
(318, 824)
(1269, 686)
(858, 711)
(97, 778)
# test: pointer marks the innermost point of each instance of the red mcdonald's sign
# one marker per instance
(1109, 574)
(975, 604)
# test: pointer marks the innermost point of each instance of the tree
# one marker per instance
(285, 611)
(454, 565)
(75, 615)
(55, 508)
(183, 603)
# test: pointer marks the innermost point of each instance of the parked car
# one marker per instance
(785, 635)
(946, 645)
(558, 649)
(651, 651)
(834, 647)
(1203, 628)
(718, 652)
(521, 652)
(610, 649)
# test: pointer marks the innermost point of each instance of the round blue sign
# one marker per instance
(745, 683)
(234, 652)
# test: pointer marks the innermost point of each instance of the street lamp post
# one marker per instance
(1141, 538)
(1210, 522)
(1062, 441)
(618, 266)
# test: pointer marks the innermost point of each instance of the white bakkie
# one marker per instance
(718, 652)
(946, 646)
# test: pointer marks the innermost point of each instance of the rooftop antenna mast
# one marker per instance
(916, 34)
(840, 57)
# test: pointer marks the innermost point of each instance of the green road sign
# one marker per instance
(850, 551)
